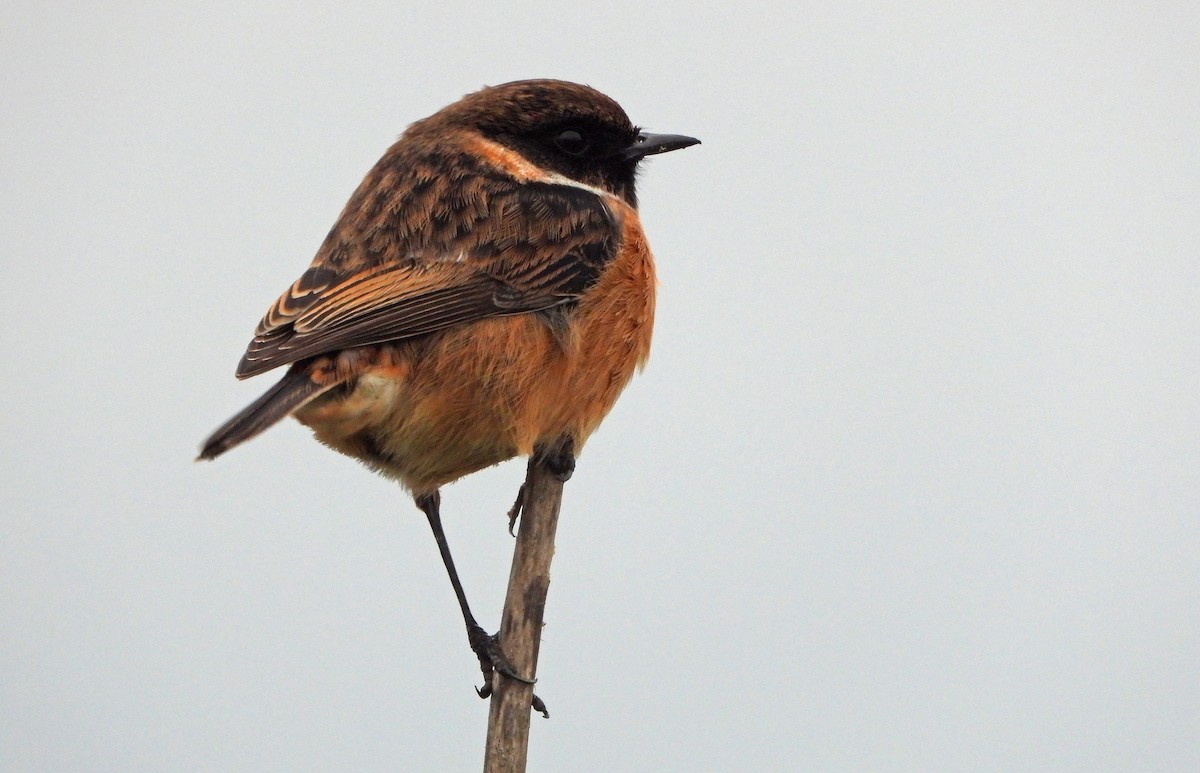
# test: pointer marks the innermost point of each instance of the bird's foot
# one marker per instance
(492, 659)
(558, 458)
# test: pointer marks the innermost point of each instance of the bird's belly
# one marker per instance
(479, 394)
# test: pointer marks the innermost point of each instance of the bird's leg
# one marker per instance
(485, 647)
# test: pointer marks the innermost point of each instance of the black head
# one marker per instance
(563, 127)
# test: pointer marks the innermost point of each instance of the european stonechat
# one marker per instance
(486, 293)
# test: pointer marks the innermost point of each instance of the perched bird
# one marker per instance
(486, 293)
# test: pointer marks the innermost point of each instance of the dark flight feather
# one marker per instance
(280, 401)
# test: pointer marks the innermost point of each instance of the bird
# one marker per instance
(486, 293)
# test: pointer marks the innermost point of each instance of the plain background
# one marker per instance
(911, 482)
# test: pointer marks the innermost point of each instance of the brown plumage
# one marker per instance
(487, 292)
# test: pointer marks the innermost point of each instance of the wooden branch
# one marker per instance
(521, 627)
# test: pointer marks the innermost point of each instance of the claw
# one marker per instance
(536, 703)
(492, 659)
(487, 649)
(515, 511)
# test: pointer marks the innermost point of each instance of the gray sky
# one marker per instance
(911, 482)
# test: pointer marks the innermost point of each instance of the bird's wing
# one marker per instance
(540, 245)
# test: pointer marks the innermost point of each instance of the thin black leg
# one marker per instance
(485, 647)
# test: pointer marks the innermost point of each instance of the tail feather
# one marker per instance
(280, 401)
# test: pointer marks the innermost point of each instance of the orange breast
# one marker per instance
(476, 395)
(611, 331)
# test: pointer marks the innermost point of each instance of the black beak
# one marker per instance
(650, 144)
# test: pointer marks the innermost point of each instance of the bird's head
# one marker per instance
(562, 127)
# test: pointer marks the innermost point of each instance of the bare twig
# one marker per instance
(521, 627)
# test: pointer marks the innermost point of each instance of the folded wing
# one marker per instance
(540, 245)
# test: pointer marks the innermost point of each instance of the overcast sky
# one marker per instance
(912, 481)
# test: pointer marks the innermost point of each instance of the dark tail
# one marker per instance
(293, 390)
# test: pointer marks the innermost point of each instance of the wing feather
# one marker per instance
(542, 245)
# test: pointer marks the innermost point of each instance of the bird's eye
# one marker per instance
(571, 142)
